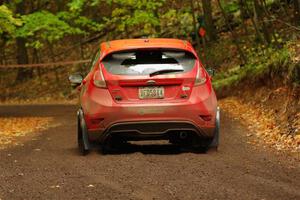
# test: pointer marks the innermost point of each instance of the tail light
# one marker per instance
(201, 77)
(99, 80)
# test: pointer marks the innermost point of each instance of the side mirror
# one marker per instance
(75, 80)
(210, 71)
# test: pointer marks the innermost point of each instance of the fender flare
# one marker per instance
(84, 131)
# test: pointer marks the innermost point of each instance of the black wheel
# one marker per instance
(82, 140)
(215, 142)
(81, 147)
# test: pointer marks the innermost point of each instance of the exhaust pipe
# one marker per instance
(183, 135)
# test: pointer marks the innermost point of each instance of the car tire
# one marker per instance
(82, 150)
(215, 141)
(82, 138)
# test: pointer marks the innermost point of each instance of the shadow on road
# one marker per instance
(156, 149)
(146, 149)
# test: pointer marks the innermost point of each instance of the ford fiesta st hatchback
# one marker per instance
(146, 89)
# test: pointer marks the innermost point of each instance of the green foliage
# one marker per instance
(135, 17)
(85, 24)
(263, 62)
(89, 24)
(8, 23)
(132, 18)
(76, 5)
(44, 26)
(233, 6)
(230, 7)
(183, 21)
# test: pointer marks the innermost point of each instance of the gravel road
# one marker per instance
(49, 167)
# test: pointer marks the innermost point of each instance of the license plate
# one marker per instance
(151, 92)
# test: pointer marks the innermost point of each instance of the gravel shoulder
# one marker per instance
(49, 167)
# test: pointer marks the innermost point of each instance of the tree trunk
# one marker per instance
(195, 25)
(233, 34)
(208, 18)
(60, 5)
(22, 54)
(297, 12)
(54, 60)
(22, 58)
(243, 15)
(259, 17)
(254, 23)
(2, 54)
(270, 25)
(196, 33)
(36, 59)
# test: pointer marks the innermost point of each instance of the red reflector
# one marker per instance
(206, 117)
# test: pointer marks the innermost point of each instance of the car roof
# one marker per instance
(127, 44)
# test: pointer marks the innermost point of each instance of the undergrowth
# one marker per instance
(263, 63)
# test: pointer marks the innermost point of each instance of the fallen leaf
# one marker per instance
(13, 128)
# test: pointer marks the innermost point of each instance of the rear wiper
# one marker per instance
(165, 71)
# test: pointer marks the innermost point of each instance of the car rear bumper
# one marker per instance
(105, 117)
(151, 130)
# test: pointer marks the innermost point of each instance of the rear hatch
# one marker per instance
(150, 75)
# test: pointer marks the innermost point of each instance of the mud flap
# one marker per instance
(85, 138)
(215, 141)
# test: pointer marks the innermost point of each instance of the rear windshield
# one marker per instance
(145, 62)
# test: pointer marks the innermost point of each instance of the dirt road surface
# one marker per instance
(49, 167)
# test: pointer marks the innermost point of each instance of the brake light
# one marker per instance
(201, 77)
(99, 80)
